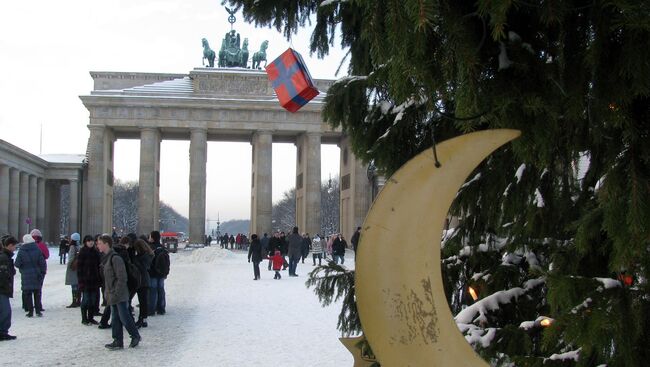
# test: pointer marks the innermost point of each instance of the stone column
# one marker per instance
(14, 202)
(355, 191)
(308, 183)
(31, 206)
(149, 185)
(74, 207)
(23, 206)
(262, 183)
(4, 199)
(40, 206)
(53, 210)
(100, 179)
(198, 159)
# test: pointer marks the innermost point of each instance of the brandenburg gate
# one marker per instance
(234, 105)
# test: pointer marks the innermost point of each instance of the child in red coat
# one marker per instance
(277, 261)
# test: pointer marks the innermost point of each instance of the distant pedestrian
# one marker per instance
(317, 250)
(7, 272)
(255, 254)
(117, 295)
(71, 271)
(264, 241)
(157, 274)
(338, 249)
(306, 244)
(88, 260)
(42, 246)
(64, 247)
(143, 259)
(355, 239)
(31, 263)
(295, 251)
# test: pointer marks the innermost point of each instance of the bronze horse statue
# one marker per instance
(208, 53)
(260, 56)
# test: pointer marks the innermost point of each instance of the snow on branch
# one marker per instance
(574, 355)
(330, 2)
(520, 172)
(479, 310)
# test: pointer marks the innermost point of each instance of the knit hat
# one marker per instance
(75, 237)
(36, 233)
(28, 238)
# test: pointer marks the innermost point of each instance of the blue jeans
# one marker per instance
(157, 300)
(89, 298)
(337, 257)
(120, 315)
(293, 264)
(5, 314)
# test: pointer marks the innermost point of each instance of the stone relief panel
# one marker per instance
(231, 84)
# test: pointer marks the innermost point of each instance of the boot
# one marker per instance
(75, 300)
(115, 345)
(91, 317)
(84, 317)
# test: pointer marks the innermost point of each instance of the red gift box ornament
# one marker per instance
(291, 80)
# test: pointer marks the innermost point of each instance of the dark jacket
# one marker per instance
(264, 241)
(7, 273)
(274, 244)
(255, 251)
(115, 279)
(157, 249)
(143, 262)
(295, 245)
(31, 263)
(338, 247)
(355, 240)
(64, 247)
(88, 260)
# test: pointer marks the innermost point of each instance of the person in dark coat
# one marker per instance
(294, 241)
(355, 239)
(7, 272)
(157, 295)
(306, 243)
(31, 263)
(255, 254)
(284, 250)
(143, 259)
(88, 260)
(64, 247)
(264, 242)
(117, 294)
(338, 249)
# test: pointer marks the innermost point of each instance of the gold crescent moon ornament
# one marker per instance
(398, 282)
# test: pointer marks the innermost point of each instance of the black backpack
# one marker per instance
(161, 262)
(133, 275)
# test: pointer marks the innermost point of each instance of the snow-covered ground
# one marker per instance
(216, 316)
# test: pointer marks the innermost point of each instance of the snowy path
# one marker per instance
(216, 316)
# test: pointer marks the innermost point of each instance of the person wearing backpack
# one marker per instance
(117, 295)
(143, 259)
(157, 274)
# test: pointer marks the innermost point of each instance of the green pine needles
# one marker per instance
(555, 224)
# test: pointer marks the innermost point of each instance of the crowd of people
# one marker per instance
(100, 270)
(297, 247)
(110, 271)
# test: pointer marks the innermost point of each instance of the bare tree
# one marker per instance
(283, 213)
(330, 206)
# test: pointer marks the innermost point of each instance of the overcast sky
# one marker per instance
(47, 49)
